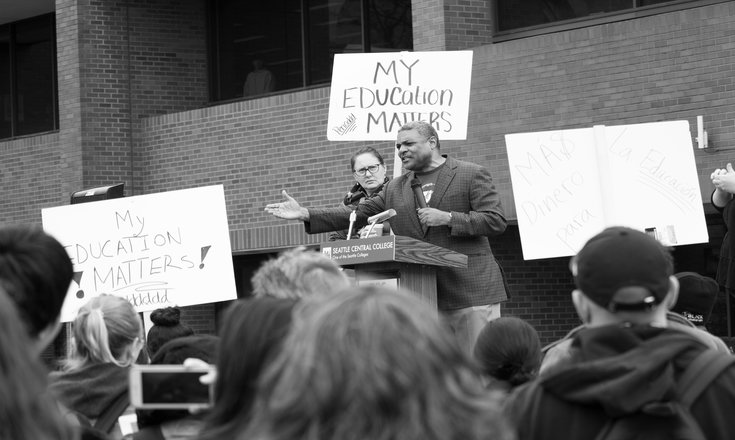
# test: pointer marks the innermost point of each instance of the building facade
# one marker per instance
(146, 95)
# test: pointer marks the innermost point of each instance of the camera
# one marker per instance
(170, 387)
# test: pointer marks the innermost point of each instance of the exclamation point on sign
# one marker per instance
(78, 279)
(205, 249)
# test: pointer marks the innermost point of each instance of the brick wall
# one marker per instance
(138, 58)
(29, 178)
(468, 23)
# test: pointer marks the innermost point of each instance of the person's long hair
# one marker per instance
(251, 334)
(373, 364)
(106, 330)
(26, 409)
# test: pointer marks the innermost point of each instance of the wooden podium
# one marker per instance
(412, 262)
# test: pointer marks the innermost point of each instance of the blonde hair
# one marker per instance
(105, 331)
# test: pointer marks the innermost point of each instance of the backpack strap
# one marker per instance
(109, 417)
(700, 373)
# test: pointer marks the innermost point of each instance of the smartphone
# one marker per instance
(170, 387)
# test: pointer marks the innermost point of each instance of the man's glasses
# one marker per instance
(372, 168)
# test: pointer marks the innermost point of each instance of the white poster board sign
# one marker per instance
(568, 185)
(374, 94)
(157, 250)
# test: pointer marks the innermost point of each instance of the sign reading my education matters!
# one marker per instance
(157, 250)
(374, 94)
(568, 185)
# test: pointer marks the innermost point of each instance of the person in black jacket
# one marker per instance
(368, 168)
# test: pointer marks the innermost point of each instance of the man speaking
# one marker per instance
(462, 210)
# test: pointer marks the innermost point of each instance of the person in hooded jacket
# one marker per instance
(626, 359)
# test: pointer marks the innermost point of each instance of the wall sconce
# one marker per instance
(701, 133)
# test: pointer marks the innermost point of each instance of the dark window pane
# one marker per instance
(264, 41)
(335, 26)
(266, 34)
(513, 14)
(390, 25)
(35, 63)
(6, 117)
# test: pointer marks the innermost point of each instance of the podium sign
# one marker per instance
(366, 250)
(412, 262)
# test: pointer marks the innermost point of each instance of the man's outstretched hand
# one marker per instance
(288, 209)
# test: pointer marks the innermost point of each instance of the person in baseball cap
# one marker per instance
(625, 270)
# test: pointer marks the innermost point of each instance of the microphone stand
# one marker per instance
(353, 217)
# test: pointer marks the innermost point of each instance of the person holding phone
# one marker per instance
(93, 382)
(169, 424)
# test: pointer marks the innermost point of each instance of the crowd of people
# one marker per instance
(311, 355)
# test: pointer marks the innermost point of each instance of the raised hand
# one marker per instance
(289, 209)
(724, 179)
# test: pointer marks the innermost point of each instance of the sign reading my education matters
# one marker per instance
(157, 250)
(374, 94)
(568, 185)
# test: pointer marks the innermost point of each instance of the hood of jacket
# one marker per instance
(89, 389)
(622, 367)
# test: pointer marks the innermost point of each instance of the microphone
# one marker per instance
(377, 218)
(353, 217)
(383, 216)
(418, 193)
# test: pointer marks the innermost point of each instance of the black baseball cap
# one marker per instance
(623, 269)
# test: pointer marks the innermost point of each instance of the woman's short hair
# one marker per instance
(251, 335)
(104, 331)
(26, 409)
(365, 150)
(372, 363)
(509, 349)
(166, 326)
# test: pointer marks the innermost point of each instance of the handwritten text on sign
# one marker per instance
(155, 250)
(570, 184)
(374, 94)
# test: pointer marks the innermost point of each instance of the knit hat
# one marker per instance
(166, 326)
(697, 296)
(623, 269)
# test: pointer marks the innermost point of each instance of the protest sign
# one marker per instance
(374, 94)
(157, 250)
(568, 185)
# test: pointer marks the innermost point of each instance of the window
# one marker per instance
(263, 47)
(28, 77)
(515, 14)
